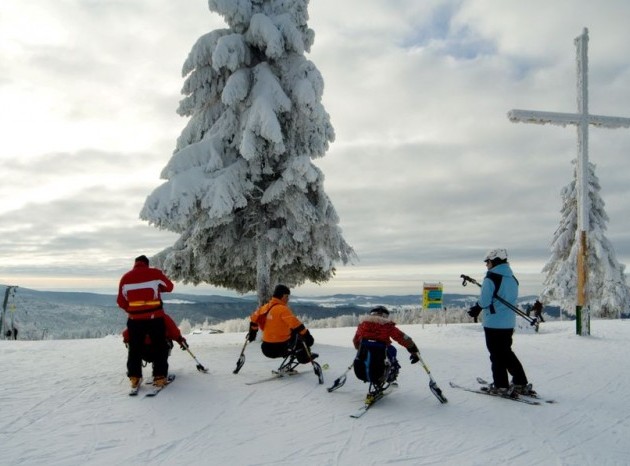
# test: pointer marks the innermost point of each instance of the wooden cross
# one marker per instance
(582, 119)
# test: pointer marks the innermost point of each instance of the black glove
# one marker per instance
(414, 357)
(183, 344)
(475, 311)
(252, 334)
(308, 338)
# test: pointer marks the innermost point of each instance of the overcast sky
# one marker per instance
(426, 172)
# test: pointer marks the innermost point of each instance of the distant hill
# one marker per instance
(61, 315)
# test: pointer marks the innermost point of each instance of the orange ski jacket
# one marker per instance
(276, 321)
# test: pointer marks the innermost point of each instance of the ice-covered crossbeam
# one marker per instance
(564, 119)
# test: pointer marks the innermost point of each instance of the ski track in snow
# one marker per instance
(65, 403)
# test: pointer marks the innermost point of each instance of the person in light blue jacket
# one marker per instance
(498, 324)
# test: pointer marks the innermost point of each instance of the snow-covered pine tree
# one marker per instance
(242, 191)
(606, 289)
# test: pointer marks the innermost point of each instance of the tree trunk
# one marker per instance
(263, 266)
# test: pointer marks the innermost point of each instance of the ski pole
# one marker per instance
(200, 367)
(339, 381)
(433, 386)
(516, 310)
(316, 367)
(241, 358)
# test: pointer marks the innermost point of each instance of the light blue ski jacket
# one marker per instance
(503, 316)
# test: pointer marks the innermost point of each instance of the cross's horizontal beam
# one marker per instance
(564, 119)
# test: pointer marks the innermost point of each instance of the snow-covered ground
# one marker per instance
(65, 403)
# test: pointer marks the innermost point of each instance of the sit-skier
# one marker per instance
(284, 336)
(376, 361)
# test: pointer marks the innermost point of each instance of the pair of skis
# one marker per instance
(279, 374)
(532, 399)
(276, 375)
(372, 398)
(154, 390)
(171, 377)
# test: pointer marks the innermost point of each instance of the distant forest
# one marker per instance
(64, 315)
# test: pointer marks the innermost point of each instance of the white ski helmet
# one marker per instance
(496, 254)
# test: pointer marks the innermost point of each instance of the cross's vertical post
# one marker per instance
(582, 314)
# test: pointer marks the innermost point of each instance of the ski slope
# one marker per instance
(65, 403)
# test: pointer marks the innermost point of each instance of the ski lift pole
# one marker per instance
(533, 322)
(7, 292)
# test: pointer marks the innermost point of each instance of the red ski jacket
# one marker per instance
(384, 330)
(139, 291)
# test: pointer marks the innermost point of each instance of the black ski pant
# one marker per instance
(502, 358)
(138, 330)
(283, 349)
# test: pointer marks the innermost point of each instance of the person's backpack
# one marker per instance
(371, 363)
(262, 319)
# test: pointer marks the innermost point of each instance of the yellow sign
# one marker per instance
(432, 296)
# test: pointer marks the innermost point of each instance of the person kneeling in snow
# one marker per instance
(376, 356)
(148, 349)
(283, 333)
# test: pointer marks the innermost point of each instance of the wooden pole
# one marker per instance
(582, 316)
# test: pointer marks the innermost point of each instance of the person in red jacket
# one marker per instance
(139, 295)
(377, 330)
(172, 334)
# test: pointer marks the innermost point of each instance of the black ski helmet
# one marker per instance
(380, 311)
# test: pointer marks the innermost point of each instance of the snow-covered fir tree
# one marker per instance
(242, 190)
(606, 289)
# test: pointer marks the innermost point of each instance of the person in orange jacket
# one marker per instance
(282, 331)
(139, 295)
(172, 334)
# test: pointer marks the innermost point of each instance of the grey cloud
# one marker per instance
(97, 222)
(426, 170)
